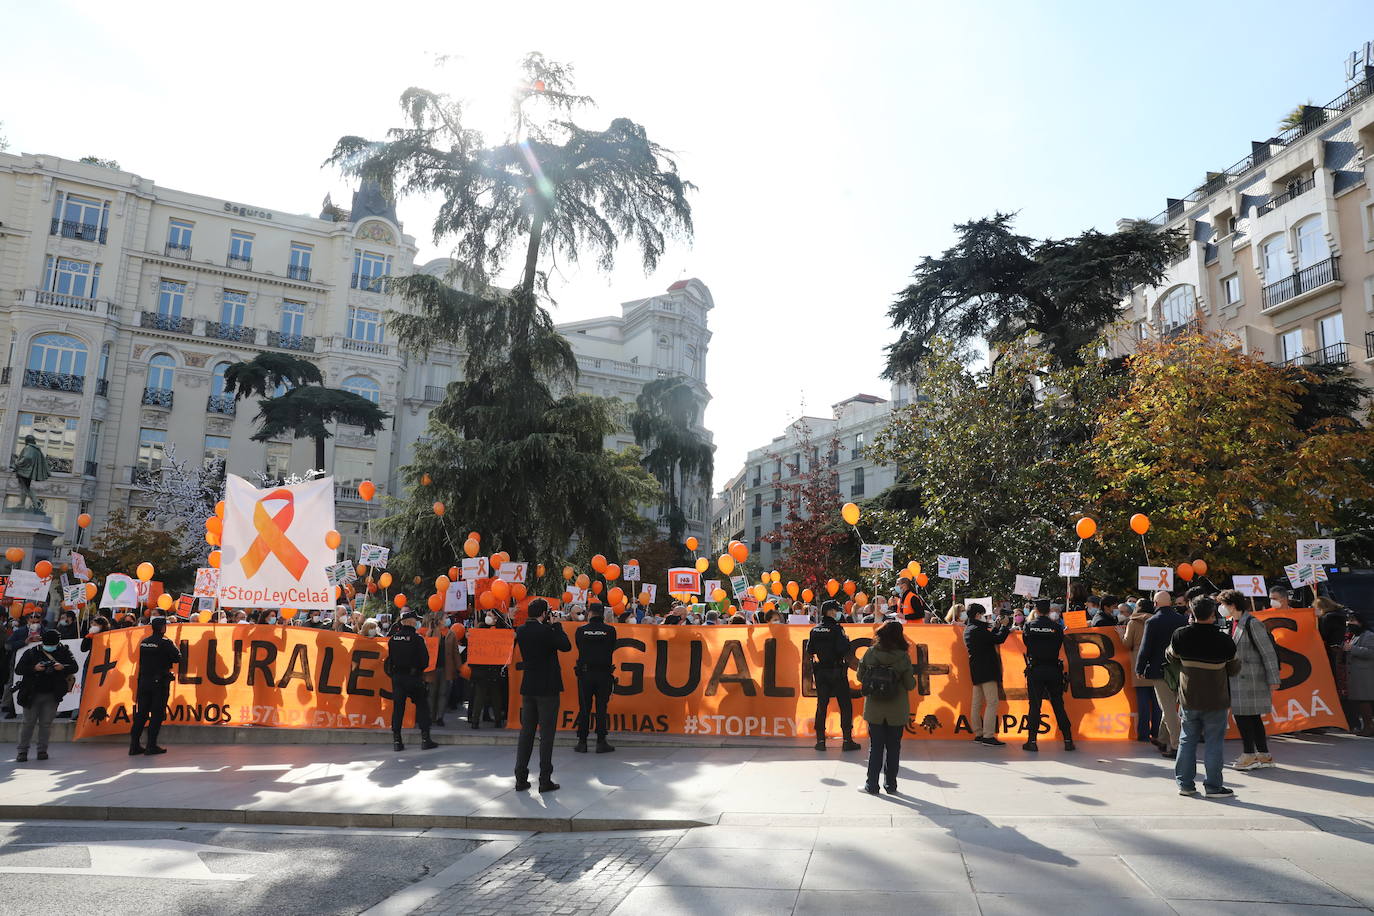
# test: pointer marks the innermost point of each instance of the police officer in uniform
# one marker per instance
(157, 656)
(407, 657)
(595, 645)
(828, 648)
(1045, 677)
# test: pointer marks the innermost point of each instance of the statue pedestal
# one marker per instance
(33, 531)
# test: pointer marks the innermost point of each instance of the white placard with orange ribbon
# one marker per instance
(1250, 586)
(274, 552)
(1154, 578)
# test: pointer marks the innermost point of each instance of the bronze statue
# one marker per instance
(31, 466)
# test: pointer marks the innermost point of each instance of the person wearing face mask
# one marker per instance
(985, 670)
(957, 614)
(66, 625)
(157, 656)
(407, 657)
(828, 650)
(1149, 666)
(487, 693)
(1252, 688)
(1148, 711)
(48, 671)
(595, 672)
(1045, 678)
(1360, 676)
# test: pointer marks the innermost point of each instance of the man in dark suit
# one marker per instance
(540, 641)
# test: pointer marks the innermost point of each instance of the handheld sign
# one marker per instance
(1317, 550)
(956, 568)
(1075, 620)
(1250, 586)
(490, 646)
(207, 582)
(630, 573)
(876, 556)
(1070, 563)
(1155, 578)
(513, 572)
(476, 568)
(1027, 587)
(374, 555)
(684, 579)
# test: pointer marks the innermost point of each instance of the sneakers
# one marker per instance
(890, 789)
(1188, 790)
(1264, 762)
(1169, 755)
(1245, 762)
(522, 781)
(992, 742)
(1219, 792)
(850, 745)
(397, 745)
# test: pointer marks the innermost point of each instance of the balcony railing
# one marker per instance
(1336, 354)
(856, 490)
(239, 333)
(347, 493)
(5, 375)
(182, 252)
(53, 381)
(221, 403)
(85, 232)
(1291, 194)
(102, 387)
(143, 475)
(291, 341)
(434, 392)
(59, 465)
(239, 262)
(1368, 346)
(42, 298)
(378, 284)
(91, 469)
(362, 346)
(297, 272)
(157, 397)
(161, 322)
(1304, 281)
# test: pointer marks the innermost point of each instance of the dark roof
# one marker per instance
(369, 200)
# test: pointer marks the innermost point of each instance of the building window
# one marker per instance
(1230, 288)
(216, 449)
(152, 446)
(352, 465)
(76, 217)
(161, 370)
(693, 361)
(1177, 308)
(278, 460)
(292, 318)
(171, 298)
(369, 269)
(93, 448)
(1311, 245)
(1275, 259)
(364, 387)
(56, 437)
(858, 488)
(1290, 344)
(104, 373)
(59, 353)
(1331, 330)
(179, 235)
(365, 324)
(69, 277)
(232, 308)
(299, 268)
(217, 378)
(240, 248)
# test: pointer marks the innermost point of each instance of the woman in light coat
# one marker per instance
(1252, 690)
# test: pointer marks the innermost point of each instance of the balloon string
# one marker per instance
(1146, 548)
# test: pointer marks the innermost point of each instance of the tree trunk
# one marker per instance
(319, 452)
(532, 252)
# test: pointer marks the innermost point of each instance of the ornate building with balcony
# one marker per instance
(122, 303)
(1280, 246)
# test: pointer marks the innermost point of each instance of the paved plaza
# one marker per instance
(782, 830)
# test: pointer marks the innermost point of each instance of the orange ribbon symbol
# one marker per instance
(1164, 579)
(272, 537)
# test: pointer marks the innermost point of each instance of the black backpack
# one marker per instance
(879, 682)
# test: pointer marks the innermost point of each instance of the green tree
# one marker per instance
(103, 163)
(306, 407)
(127, 541)
(816, 543)
(664, 423)
(998, 285)
(512, 454)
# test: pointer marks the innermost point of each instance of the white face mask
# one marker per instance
(95, 628)
(489, 620)
(1227, 611)
(581, 616)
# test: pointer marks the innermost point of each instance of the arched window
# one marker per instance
(1177, 307)
(217, 378)
(365, 387)
(59, 353)
(160, 372)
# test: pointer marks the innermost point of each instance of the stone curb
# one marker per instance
(337, 818)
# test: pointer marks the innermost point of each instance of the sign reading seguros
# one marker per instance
(274, 552)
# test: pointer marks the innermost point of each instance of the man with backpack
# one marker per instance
(48, 670)
(828, 649)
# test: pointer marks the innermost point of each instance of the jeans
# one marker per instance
(40, 712)
(1147, 712)
(542, 713)
(984, 695)
(884, 753)
(1210, 726)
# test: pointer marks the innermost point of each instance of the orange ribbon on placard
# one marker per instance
(1164, 578)
(272, 537)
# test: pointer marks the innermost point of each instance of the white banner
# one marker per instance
(456, 597)
(1251, 586)
(1070, 563)
(72, 701)
(1154, 578)
(79, 567)
(24, 583)
(274, 552)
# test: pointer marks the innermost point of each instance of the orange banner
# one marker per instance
(246, 674)
(490, 646)
(752, 681)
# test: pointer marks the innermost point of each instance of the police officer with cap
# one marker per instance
(1045, 677)
(407, 657)
(157, 656)
(828, 648)
(594, 670)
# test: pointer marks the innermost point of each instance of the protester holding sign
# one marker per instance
(1252, 689)
(1148, 710)
(985, 670)
(48, 671)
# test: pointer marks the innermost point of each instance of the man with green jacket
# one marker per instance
(1206, 659)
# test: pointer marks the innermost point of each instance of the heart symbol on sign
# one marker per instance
(117, 588)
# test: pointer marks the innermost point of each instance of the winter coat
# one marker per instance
(1360, 683)
(47, 681)
(1135, 630)
(894, 710)
(984, 659)
(1207, 657)
(450, 653)
(1159, 629)
(1251, 694)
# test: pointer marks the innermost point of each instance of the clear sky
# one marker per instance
(834, 144)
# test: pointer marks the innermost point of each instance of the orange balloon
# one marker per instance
(475, 536)
(1185, 571)
(726, 564)
(612, 572)
(740, 551)
(43, 568)
(861, 599)
(90, 590)
(332, 539)
(598, 563)
(439, 508)
(400, 600)
(204, 616)
(164, 601)
(452, 573)
(425, 480)
(441, 584)
(458, 631)
(850, 587)
(215, 525)
(760, 592)
(539, 571)
(15, 554)
(465, 672)
(1086, 528)
(832, 587)
(214, 558)
(776, 588)
(486, 601)
(435, 602)
(583, 580)
(384, 580)
(644, 597)
(501, 589)
(702, 564)
(568, 574)
(793, 589)
(83, 520)
(1140, 523)
(219, 508)
(518, 591)
(212, 539)
(1200, 567)
(367, 489)
(145, 572)
(499, 559)
(288, 612)
(615, 595)
(691, 543)
(361, 570)
(808, 596)
(597, 588)
(718, 595)
(922, 579)
(471, 547)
